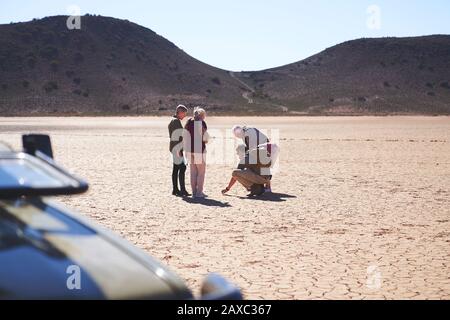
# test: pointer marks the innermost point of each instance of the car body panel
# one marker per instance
(48, 251)
(40, 239)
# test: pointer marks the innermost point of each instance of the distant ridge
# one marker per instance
(384, 75)
(115, 67)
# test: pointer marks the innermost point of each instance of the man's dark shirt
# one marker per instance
(253, 138)
(175, 124)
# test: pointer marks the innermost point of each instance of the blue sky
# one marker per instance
(251, 34)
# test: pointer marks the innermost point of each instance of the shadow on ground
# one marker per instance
(207, 202)
(272, 197)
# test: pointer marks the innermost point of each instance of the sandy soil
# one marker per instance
(361, 210)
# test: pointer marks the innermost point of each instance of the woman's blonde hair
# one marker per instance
(198, 112)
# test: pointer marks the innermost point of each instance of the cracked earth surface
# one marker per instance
(361, 210)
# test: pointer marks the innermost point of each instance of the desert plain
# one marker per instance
(360, 206)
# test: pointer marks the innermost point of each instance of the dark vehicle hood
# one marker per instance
(40, 244)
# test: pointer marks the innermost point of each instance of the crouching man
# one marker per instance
(253, 171)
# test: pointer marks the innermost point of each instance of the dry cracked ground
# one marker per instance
(361, 208)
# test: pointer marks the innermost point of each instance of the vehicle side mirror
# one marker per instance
(215, 287)
(37, 142)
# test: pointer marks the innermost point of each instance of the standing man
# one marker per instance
(176, 148)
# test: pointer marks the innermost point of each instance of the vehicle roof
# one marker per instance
(40, 239)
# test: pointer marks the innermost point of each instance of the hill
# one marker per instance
(113, 66)
(110, 66)
(384, 75)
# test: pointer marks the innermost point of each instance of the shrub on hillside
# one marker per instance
(216, 80)
(26, 37)
(445, 85)
(78, 58)
(31, 62)
(49, 53)
(48, 37)
(54, 65)
(49, 86)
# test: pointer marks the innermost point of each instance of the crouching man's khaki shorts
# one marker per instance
(248, 178)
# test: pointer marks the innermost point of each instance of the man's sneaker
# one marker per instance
(268, 190)
(256, 190)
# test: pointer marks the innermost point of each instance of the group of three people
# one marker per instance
(188, 143)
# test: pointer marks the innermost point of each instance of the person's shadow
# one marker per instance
(207, 202)
(268, 196)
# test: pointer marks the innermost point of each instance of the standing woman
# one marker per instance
(195, 140)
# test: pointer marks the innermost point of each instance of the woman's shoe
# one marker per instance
(201, 195)
(176, 193)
